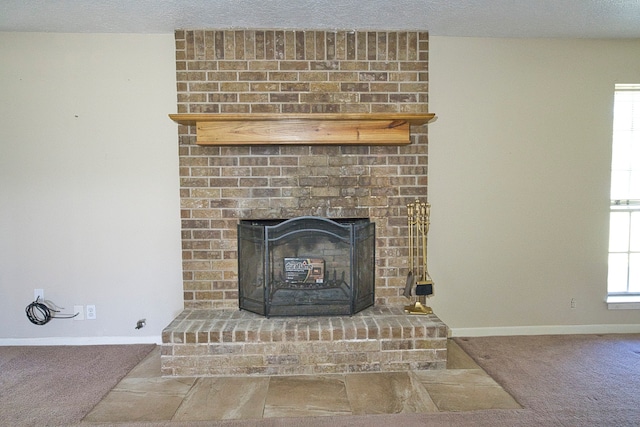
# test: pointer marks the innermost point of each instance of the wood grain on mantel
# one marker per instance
(303, 129)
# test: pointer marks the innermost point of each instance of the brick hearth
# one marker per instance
(229, 342)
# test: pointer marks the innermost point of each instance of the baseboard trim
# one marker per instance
(79, 341)
(545, 330)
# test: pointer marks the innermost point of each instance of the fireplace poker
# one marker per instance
(410, 224)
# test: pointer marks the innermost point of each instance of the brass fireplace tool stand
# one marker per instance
(418, 280)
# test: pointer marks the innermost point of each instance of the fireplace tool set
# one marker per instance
(419, 282)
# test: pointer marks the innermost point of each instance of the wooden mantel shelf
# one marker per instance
(303, 129)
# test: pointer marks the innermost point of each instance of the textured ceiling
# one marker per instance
(472, 18)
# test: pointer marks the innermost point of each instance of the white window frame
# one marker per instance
(629, 298)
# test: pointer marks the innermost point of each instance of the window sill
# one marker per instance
(622, 302)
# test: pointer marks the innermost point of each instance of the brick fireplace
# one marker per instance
(283, 71)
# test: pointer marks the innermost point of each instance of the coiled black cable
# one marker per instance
(39, 313)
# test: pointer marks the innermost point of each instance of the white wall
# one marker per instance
(89, 207)
(519, 164)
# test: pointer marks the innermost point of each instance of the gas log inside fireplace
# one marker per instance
(306, 266)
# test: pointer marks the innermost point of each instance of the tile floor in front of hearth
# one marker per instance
(144, 395)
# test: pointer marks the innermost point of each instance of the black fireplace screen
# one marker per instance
(306, 266)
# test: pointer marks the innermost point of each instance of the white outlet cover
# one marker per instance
(91, 312)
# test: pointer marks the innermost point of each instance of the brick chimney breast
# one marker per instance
(285, 71)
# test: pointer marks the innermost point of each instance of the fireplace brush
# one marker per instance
(418, 279)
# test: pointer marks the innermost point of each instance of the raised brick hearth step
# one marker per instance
(233, 342)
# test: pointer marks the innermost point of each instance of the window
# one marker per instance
(624, 225)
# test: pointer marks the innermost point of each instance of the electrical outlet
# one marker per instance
(80, 312)
(38, 293)
(91, 312)
(573, 303)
